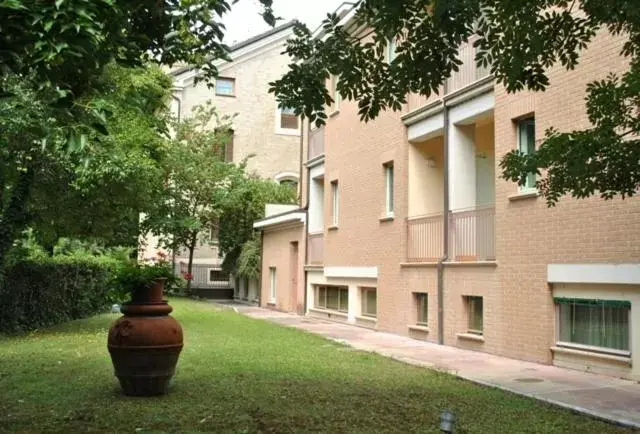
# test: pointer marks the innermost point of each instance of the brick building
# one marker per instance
(410, 229)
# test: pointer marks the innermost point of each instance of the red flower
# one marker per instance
(187, 276)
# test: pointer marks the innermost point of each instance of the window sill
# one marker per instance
(225, 95)
(271, 304)
(368, 319)
(387, 218)
(288, 132)
(418, 328)
(623, 360)
(470, 337)
(524, 194)
(334, 113)
(333, 228)
(329, 312)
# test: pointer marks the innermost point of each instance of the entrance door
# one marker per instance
(293, 273)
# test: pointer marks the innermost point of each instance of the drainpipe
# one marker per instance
(261, 262)
(445, 247)
(306, 209)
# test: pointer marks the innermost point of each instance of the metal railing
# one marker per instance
(315, 243)
(206, 276)
(424, 238)
(316, 142)
(471, 236)
(467, 73)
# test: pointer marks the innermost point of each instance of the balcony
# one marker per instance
(424, 238)
(316, 143)
(471, 236)
(315, 246)
(468, 73)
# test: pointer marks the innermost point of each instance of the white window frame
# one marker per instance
(389, 179)
(286, 131)
(233, 86)
(335, 108)
(591, 348)
(209, 281)
(519, 124)
(392, 45)
(272, 285)
(335, 203)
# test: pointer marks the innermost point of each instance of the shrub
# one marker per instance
(46, 291)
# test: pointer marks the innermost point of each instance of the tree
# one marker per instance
(197, 181)
(242, 206)
(604, 158)
(101, 197)
(54, 52)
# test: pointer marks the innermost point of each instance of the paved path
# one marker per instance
(603, 397)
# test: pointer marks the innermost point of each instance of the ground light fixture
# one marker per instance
(447, 419)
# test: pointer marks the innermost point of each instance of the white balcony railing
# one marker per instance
(471, 236)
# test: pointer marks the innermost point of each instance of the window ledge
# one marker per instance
(329, 312)
(371, 319)
(427, 264)
(225, 95)
(334, 113)
(592, 355)
(471, 264)
(333, 228)
(283, 132)
(387, 218)
(418, 328)
(470, 337)
(271, 304)
(525, 194)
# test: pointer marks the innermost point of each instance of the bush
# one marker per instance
(46, 291)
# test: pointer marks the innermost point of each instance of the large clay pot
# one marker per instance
(145, 343)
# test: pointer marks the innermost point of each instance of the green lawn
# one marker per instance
(242, 375)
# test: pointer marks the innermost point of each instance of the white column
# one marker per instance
(462, 167)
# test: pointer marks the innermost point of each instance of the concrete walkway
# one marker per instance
(607, 398)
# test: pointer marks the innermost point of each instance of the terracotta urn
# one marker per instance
(145, 343)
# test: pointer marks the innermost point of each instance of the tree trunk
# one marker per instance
(192, 248)
(14, 218)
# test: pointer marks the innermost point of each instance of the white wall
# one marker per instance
(426, 184)
(316, 205)
(462, 167)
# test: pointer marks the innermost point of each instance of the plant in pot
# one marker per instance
(146, 341)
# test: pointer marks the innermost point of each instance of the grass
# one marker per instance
(242, 375)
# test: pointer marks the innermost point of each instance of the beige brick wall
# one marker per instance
(255, 116)
(518, 305)
(277, 253)
(530, 235)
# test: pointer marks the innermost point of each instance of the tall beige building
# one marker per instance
(268, 135)
(407, 227)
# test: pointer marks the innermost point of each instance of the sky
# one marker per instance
(244, 20)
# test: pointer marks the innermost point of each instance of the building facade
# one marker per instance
(410, 229)
(267, 136)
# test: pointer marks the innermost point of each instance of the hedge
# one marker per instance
(41, 293)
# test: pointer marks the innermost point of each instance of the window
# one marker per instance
(369, 306)
(474, 311)
(595, 323)
(226, 86)
(290, 183)
(391, 50)
(388, 182)
(527, 145)
(272, 280)
(335, 203)
(422, 302)
(334, 93)
(288, 119)
(217, 276)
(213, 234)
(224, 148)
(332, 298)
